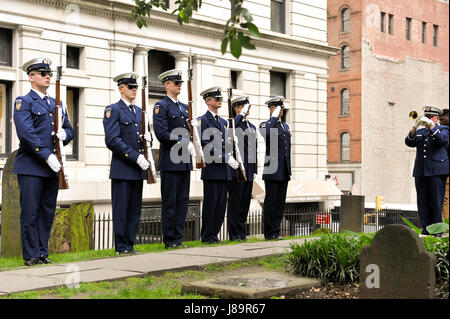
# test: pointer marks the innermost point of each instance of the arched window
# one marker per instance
(345, 147)
(345, 20)
(345, 102)
(345, 57)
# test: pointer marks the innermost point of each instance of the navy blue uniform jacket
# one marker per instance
(122, 137)
(214, 148)
(34, 120)
(283, 155)
(168, 117)
(249, 152)
(431, 154)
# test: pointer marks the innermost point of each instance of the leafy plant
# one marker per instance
(237, 32)
(332, 257)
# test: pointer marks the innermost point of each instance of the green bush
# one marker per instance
(332, 257)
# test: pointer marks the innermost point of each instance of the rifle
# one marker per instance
(151, 179)
(236, 154)
(62, 181)
(200, 162)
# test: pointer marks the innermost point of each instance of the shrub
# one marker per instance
(332, 257)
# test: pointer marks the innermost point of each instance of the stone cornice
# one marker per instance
(166, 21)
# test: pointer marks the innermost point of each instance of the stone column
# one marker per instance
(122, 62)
(181, 63)
(140, 66)
(202, 79)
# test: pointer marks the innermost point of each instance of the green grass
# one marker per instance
(167, 286)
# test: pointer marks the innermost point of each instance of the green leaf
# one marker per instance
(407, 222)
(437, 228)
(224, 45)
(245, 41)
(253, 29)
(235, 47)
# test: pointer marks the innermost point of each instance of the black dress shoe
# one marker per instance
(124, 252)
(180, 245)
(173, 245)
(45, 260)
(33, 262)
(133, 251)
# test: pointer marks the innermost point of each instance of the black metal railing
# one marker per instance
(297, 221)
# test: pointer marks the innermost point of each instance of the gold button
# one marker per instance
(53, 123)
(51, 114)
(37, 149)
(137, 133)
(39, 113)
(126, 155)
(135, 124)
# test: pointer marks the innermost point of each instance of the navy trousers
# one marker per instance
(38, 203)
(273, 207)
(239, 197)
(175, 200)
(213, 209)
(126, 198)
(430, 198)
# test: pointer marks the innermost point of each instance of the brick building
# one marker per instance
(393, 58)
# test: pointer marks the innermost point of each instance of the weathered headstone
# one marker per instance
(72, 229)
(352, 213)
(396, 266)
(11, 244)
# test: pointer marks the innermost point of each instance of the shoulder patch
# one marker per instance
(108, 112)
(156, 109)
(18, 104)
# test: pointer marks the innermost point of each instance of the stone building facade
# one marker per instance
(99, 40)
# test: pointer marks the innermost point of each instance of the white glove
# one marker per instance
(426, 121)
(245, 109)
(191, 149)
(276, 112)
(142, 162)
(232, 162)
(148, 137)
(416, 124)
(194, 122)
(61, 135)
(53, 162)
(152, 164)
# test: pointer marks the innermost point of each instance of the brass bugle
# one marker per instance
(413, 115)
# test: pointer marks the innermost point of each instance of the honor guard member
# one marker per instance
(443, 120)
(217, 172)
(240, 194)
(431, 165)
(36, 164)
(277, 168)
(123, 136)
(170, 118)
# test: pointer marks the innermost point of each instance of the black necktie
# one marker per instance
(132, 108)
(46, 100)
(217, 119)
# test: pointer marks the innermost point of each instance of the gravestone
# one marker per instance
(396, 266)
(352, 213)
(11, 244)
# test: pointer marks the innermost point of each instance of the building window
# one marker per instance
(5, 47)
(5, 118)
(345, 25)
(391, 24)
(424, 32)
(345, 57)
(277, 83)
(73, 108)
(345, 102)
(382, 20)
(345, 147)
(277, 16)
(73, 57)
(408, 28)
(236, 82)
(435, 35)
(158, 62)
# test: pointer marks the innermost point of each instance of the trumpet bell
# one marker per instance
(413, 115)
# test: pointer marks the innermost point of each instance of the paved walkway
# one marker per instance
(120, 267)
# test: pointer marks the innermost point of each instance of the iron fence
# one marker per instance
(297, 221)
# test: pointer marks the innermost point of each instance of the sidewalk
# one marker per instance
(120, 267)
